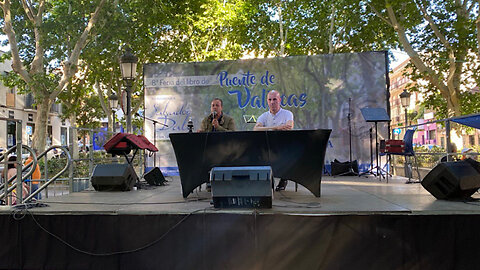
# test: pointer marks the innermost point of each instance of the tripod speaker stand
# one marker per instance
(375, 115)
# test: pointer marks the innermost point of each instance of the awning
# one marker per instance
(471, 121)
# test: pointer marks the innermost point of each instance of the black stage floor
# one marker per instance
(357, 223)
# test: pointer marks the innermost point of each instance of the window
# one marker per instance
(471, 140)
(30, 130)
(11, 130)
(11, 114)
(30, 117)
(29, 101)
(49, 136)
(431, 135)
(63, 135)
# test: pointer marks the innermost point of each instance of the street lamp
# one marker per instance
(113, 102)
(405, 100)
(128, 64)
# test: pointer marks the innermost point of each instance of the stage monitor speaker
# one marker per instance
(453, 180)
(113, 177)
(343, 168)
(242, 187)
(155, 177)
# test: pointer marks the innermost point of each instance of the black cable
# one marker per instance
(104, 254)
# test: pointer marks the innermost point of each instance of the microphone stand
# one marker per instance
(350, 169)
(155, 122)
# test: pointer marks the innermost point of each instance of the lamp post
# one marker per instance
(405, 100)
(129, 69)
(113, 102)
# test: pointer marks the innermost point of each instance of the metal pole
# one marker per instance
(46, 175)
(129, 108)
(19, 163)
(405, 165)
(90, 153)
(113, 120)
(5, 177)
(72, 140)
(154, 143)
(448, 139)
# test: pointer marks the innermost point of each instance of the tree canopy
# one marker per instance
(63, 49)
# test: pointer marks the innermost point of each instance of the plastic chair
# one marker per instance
(407, 152)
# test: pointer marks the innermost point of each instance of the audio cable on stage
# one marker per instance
(22, 212)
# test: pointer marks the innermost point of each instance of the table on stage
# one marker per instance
(297, 155)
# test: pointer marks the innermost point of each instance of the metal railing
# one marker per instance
(32, 165)
(79, 170)
(56, 176)
(6, 187)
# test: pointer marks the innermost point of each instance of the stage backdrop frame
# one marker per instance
(315, 88)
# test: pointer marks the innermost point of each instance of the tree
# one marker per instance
(443, 41)
(306, 27)
(43, 56)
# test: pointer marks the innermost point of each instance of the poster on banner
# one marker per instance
(315, 88)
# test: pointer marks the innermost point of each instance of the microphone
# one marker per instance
(214, 113)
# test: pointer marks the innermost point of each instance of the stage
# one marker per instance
(358, 222)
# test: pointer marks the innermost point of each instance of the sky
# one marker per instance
(400, 56)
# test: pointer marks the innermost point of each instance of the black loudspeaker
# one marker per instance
(453, 180)
(113, 177)
(343, 168)
(155, 177)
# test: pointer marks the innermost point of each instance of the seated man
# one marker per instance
(275, 118)
(217, 120)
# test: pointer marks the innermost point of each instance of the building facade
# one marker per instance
(428, 135)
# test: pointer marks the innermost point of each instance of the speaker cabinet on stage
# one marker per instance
(113, 177)
(453, 180)
(242, 187)
(343, 168)
(155, 177)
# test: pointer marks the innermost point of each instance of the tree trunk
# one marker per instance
(40, 134)
(73, 124)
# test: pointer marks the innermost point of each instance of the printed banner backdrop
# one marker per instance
(320, 90)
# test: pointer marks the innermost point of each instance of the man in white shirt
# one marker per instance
(275, 119)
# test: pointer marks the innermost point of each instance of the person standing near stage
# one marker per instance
(275, 118)
(217, 120)
(12, 171)
(36, 175)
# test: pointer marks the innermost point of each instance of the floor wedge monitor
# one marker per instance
(113, 177)
(155, 177)
(453, 180)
